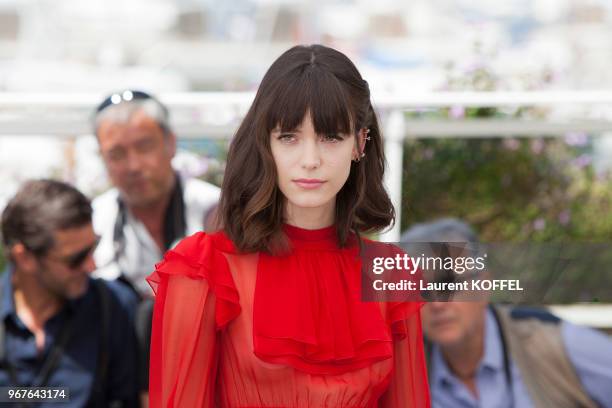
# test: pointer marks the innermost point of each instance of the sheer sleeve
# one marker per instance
(408, 387)
(195, 297)
(183, 362)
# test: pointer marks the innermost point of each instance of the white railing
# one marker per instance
(217, 115)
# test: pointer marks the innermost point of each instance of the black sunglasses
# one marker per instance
(125, 96)
(75, 260)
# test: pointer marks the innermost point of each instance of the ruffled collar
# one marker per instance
(307, 308)
(308, 312)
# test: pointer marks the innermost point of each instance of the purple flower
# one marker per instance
(582, 161)
(457, 112)
(576, 139)
(539, 224)
(564, 217)
(537, 146)
(511, 144)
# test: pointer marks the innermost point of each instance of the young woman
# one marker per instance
(268, 312)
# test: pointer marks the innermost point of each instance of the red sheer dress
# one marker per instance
(242, 330)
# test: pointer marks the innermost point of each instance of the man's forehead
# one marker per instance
(76, 237)
(138, 122)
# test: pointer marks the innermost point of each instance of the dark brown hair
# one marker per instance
(324, 82)
(38, 210)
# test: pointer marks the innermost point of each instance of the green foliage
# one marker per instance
(509, 189)
(542, 192)
(529, 189)
(538, 191)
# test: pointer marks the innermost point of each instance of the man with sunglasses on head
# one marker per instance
(150, 207)
(60, 328)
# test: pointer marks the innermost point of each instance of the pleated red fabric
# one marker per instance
(255, 330)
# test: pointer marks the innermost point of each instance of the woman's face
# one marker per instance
(311, 168)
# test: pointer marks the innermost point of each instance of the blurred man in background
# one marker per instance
(58, 326)
(481, 355)
(150, 207)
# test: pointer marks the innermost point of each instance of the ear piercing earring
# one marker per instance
(358, 158)
(367, 137)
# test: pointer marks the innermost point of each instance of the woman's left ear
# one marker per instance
(362, 137)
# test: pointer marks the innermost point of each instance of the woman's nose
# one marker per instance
(311, 156)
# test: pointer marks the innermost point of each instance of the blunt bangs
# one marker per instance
(308, 88)
(324, 83)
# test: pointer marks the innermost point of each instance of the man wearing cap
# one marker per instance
(150, 207)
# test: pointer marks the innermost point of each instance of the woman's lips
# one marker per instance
(309, 184)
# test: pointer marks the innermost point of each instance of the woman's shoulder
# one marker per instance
(197, 247)
(192, 244)
(201, 256)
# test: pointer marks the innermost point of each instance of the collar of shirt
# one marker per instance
(492, 360)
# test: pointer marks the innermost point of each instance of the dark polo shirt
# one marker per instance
(76, 369)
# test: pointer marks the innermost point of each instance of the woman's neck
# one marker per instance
(310, 218)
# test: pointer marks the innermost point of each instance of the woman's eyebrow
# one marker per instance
(277, 130)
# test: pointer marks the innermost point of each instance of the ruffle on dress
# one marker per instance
(307, 312)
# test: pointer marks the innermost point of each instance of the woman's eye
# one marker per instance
(286, 137)
(333, 137)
